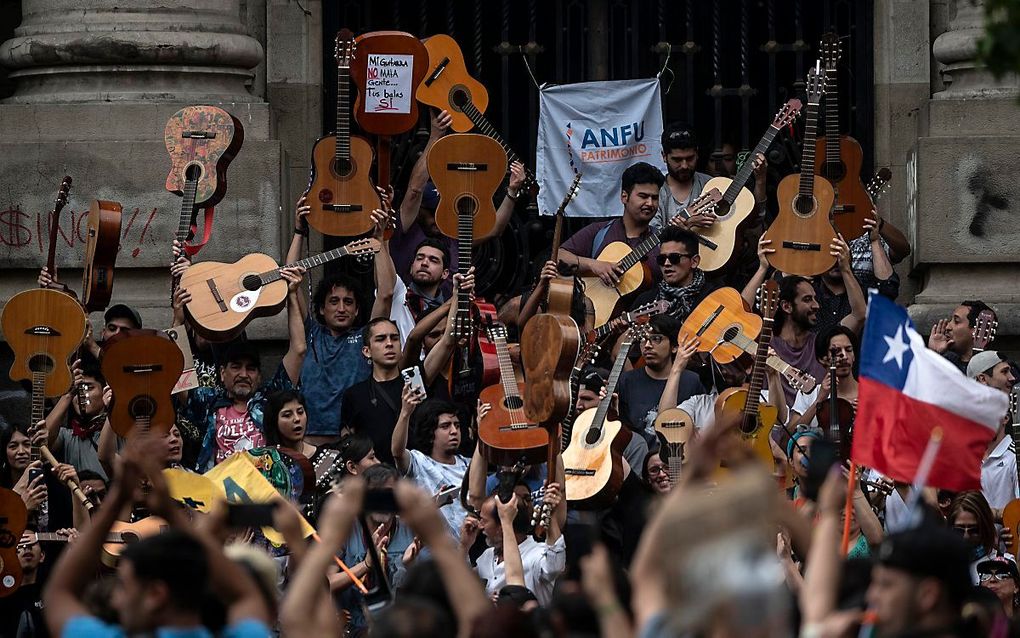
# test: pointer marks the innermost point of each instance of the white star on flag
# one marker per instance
(896, 348)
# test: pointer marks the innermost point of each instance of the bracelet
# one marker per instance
(512, 197)
(303, 232)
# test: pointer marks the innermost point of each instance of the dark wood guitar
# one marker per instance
(593, 460)
(340, 193)
(802, 231)
(719, 241)
(141, 367)
(550, 340)
(13, 520)
(101, 248)
(447, 85)
(985, 327)
(839, 158)
(836, 416)
(505, 435)
(225, 298)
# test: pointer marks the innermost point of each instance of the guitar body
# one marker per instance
(467, 169)
(13, 519)
(141, 367)
(101, 248)
(593, 470)
(846, 424)
(722, 310)
(503, 436)
(549, 347)
(202, 141)
(344, 185)
(447, 84)
(44, 329)
(731, 401)
(802, 232)
(853, 203)
(605, 298)
(388, 43)
(475, 365)
(224, 318)
(129, 533)
(721, 236)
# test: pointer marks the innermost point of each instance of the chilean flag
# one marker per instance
(905, 391)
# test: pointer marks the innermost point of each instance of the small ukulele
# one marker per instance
(676, 427)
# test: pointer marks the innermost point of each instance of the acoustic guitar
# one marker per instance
(593, 460)
(802, 231)
(605, 298)
(13, 520)
(505, 434)
(1011, 513)
(838, 157)
(447, 85)
(141, 367)
(340, 193)
(756, 418)
(677, 427)
(201, 141)
(225, 298)
(101, 248)
(550, 339)
(719, 240)
(120, 536)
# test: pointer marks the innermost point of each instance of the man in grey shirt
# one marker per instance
(683, 183)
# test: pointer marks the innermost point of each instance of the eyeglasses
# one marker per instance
(673, 258)
(654, 470)
(653, 339)
(966, 530)
(999, 576)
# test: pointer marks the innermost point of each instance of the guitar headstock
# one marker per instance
(815, 84)
(496, 330)
(61, 200)
(768, 299)
(787, 114)
(878, 184)
(799, 380)
(575, 188)
(363, 247)
(344, 49)
(984, 329)
(507, 479)
(829, 49)
(706, 202)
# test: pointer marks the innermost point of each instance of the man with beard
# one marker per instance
(423, 291)
(683, 182)
(683, 284)
(839, 342)
(839, 294)
(640, 198)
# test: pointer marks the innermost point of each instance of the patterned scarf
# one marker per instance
(681, 298)
(85, 429)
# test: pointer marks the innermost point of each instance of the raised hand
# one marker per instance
(841, 251)
(940, 338)
(440, 124)
(409, 399)
(764, 250)
(687, 346)
(516, 178)
(293, 276)
(46, 279)
(761, 166)
(301, 211)
(872, 225)
(507, 511)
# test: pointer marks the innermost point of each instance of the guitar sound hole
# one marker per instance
(722, 208)
(142, 407)
(748, 426)
(466, 205)
(128, 537)
(344, 167)
(804, 205)
(592, 436)
(459, 97)
(41, 363)
(513, 403)
(192, 172)
(251, 282)
(731, 334)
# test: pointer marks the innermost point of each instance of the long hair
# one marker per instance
(353, 448)
(271, 414)
(425, 422)
(975, 503)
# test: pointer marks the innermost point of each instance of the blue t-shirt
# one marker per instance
(331, 365)
(90, 627)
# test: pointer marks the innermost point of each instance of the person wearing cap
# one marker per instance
(998, 468)
(919, 583)
(1000, 575)
(683, 182)
(990, 368)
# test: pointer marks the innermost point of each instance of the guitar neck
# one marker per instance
(187, 210)
(38, 410)
(807, 158)
(611, 383)
(53, 537)
(832, 141)
(343, 123)
(757, 381)
(506, 367)
(486, 128)
(310, 262)
(640, 251)
(749, 346)
(744, 174)
(465, 233)
(675, 463)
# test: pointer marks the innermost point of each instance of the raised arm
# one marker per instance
(899, 246)
(687, 346)
(824, 564)
(511, 552)
(439, 356)
(533, 304)
(858, 305)
(409, 400)
(385, 272)
(477, 471)
(751, 289)
(298, 344)
(412, 346)
(297, 244)
(880, 263)
(420, 173)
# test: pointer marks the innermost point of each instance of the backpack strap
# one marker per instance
(600, 239)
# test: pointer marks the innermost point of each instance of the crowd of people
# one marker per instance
(419, 534)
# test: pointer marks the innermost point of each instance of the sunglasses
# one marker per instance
(999, 576)
(966, 530)
(673, 258)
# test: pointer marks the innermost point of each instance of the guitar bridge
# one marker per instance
(342, 208)
(216, 295)
(706, 242)
(199, 135)
(802, 245)
(711, 319)
(439, 71)
(467, 166)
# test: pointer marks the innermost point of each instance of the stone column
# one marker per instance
(963, 198)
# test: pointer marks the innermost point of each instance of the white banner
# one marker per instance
(597, 129)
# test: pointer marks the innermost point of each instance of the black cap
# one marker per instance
(930, 551)
(592, 379)
(123, 311)
(239, 350)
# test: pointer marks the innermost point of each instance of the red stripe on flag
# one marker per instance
(891, 431)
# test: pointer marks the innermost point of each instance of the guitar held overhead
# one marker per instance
(225, 298)
(101, 248)
(141, 367)
(802, 231)
(340, 192)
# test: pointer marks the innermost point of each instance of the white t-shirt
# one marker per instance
(998, 474)
(431, 475)
(542, 564)
(701, 407)
(803, 403)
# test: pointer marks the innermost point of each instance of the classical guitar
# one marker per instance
(340, 193)
(1011, 513)
(447, 85)
(201, 141)
(13, 520)
(141, 367)
(797, 378)
(120, 536)
(838, 158)
(985, 327)
(593, 461)
(227, 297)
(756, 418)
(505, 434)
(719, 240)
(549, 341)
(802, 231)
(101, 248)
(676, 426)
(605, 298)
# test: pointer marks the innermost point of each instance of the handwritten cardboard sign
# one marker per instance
(388, 83)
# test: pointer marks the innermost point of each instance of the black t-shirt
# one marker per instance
(23, 609)
(371, 407)
(639, 396)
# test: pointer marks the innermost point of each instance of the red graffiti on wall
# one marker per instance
(24, 232)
